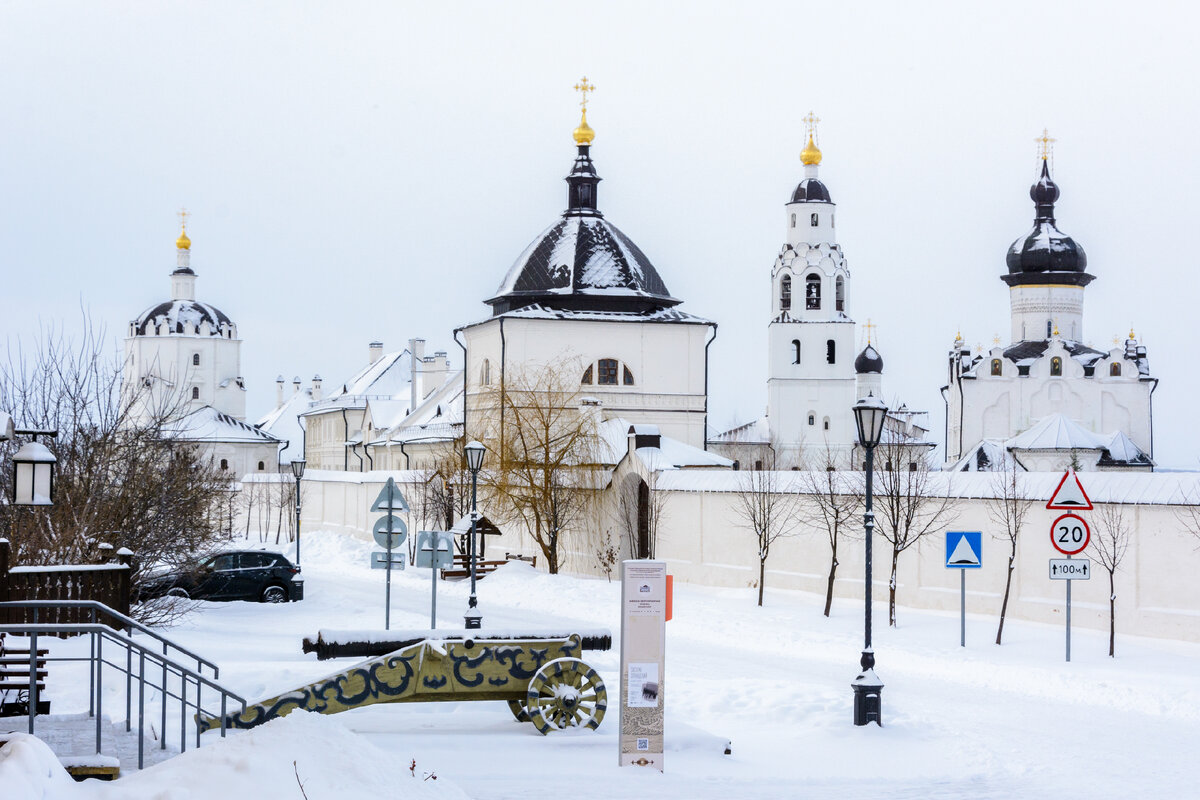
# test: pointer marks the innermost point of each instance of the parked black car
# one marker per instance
(230, 575)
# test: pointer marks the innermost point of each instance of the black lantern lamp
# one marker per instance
(474, 453)
(298, 473)
(869, 415)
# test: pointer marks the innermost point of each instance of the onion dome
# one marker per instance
(181, 316)
(1046, 254)
(183, 242)
(811, 190)
(584, 133)
(583, 262)
(868, 360)
(811, 154)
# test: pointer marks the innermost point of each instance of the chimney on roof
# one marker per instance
(279, 391)
(316, 388)
(374, 352)
(644, 436)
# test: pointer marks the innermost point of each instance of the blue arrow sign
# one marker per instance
(964, 549)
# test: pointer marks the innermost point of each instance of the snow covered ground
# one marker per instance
(980, 722)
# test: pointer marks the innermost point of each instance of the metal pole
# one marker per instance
(33, 691)
(162, 740)
(437, 540)
(182, 711)
(387, 592)
(99, 687)
(128, 685)
(1068, 616)
(297, 521)
(472, 619)
(198, 708)
(962, 605)
(868, 656)
(141, 709)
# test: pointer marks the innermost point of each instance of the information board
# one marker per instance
(643, 659)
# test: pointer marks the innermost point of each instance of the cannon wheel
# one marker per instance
(518, 710)
(566, 693)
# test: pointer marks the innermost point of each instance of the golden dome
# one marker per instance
(584, 133)
(811, 154)
(183, 242)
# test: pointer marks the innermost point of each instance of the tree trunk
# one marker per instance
(1112, 617)
(829, 585)
(892, 589)
(762, 576)
(1007, 587)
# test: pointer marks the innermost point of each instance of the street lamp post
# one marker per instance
(474, 452)
(298, 472)
(869, 414)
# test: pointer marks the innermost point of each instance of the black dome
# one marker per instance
(868, 360)
(1045, 254)
(583, 261)
(180, 316)
(811, 190)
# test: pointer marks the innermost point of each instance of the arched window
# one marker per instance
(997, 367)
(796, 344)
(813, 221)
(224, 463)
(839, 294)
(812, 292)
(785, 293)
(793, 220)
(758, 465)
(1049, 328)
(195, 392)
(1056, 366)
(812, 419)
(627, 376)
(826, 423)
(833, 220)
(587, 376)
(485, 373)
(831, 351)
(607, 372)
(261, 466)
(195, 359)
(1114, 369)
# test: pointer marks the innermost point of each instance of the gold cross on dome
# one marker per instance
(1045, 144)
(810, 127)
(183, 215)
(869, 326)
(583, 87)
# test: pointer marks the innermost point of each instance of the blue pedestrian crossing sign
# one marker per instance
(964, 549)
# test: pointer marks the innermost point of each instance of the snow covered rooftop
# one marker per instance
(206, 424)
(1057, 432)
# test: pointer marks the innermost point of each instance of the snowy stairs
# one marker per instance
(72, 737)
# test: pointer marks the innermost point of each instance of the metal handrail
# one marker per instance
(99, 633)
(125, 621)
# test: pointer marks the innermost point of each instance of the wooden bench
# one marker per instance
(14, 681)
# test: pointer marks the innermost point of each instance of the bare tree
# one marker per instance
(831, 501)
(1188, 512)
(120, 472)
(1007, 509)
(907, 507)
(768, 510)
(544, 469)
(640, 510)
(1109, 544)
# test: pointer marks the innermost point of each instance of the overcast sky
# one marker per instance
(361, 171)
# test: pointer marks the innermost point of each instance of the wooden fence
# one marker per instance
(106, 583)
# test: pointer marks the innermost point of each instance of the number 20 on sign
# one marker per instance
(1070, 534)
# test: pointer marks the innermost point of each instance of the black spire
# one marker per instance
(581, 186)
(1044, 193)
(1046, 254)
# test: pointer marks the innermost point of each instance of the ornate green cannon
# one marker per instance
(542, 680)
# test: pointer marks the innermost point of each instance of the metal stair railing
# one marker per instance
(160, 665)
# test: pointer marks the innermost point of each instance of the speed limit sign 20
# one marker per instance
(1070, 534)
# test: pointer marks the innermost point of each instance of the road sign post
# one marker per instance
(435, 549)
(964, 551)
(389, 532)
(1069, 534)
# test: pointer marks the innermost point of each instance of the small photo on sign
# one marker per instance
(643, 685)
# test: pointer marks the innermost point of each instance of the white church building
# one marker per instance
(183, 364)
(1047, 400)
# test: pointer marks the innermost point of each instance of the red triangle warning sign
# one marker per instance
(1069, 496)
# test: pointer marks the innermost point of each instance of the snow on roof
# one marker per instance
(283, 422)
(754, 432)
(990, 455)
(206, 424)
(1057, 432)
(1147, 488)
(670, 453)
(1121, 449)
(536, 311)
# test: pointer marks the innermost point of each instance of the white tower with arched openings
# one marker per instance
(811, 337)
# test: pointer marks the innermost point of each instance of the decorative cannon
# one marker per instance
(543, 681)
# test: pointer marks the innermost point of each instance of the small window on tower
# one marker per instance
(813, 221)
(793, 220)
(832, 220)
(224, 463)
(608, 372)
(1049, 328)
(812, 292)
(627, 376)
(812, 419)
(261, 466)
(485, 373)
(839, 294)
(996, 367)
(195, 359)
(796, 344)
(831, 351)
(587, 376)
(1114, 370)
(195, 392)
(785, 293)
(1056, 366)
(826, 423)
